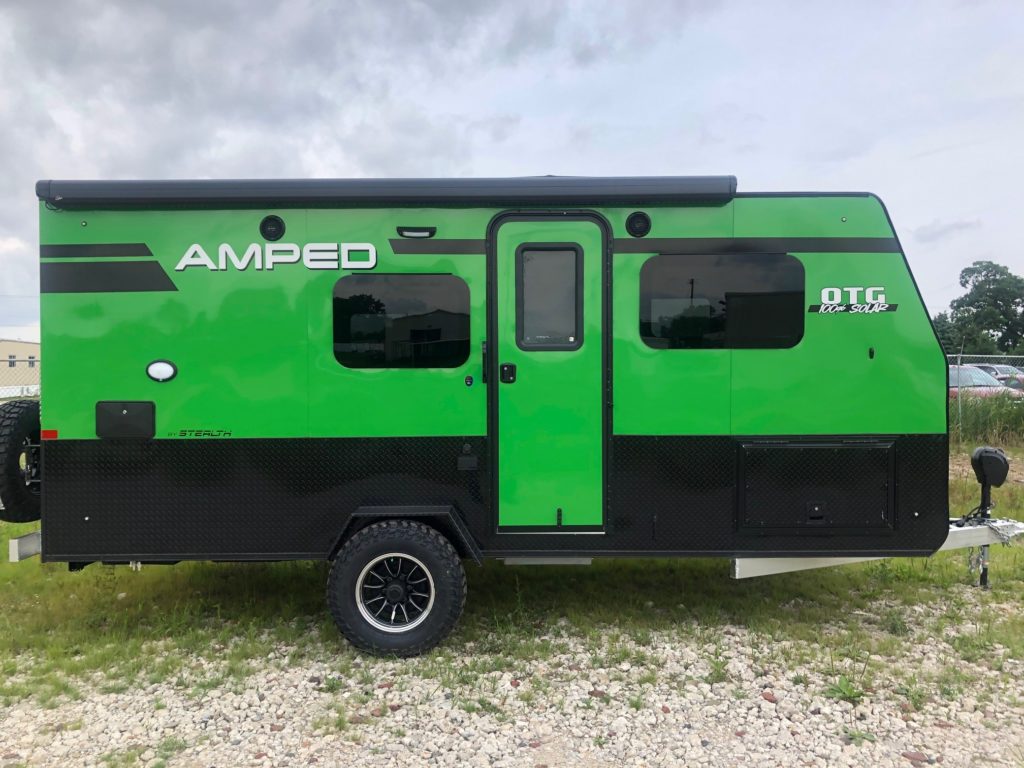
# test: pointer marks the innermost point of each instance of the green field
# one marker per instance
(205, 625)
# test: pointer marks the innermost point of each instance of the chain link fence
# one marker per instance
(19, 377)
(986, 399)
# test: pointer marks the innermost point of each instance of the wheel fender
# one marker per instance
(444, 517)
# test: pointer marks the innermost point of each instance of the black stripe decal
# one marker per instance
(103, 277)
(705, 245)
(437, 247)
(94, 251)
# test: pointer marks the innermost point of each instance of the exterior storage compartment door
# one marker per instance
(817, 488)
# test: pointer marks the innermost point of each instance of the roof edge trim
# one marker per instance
(537, 190)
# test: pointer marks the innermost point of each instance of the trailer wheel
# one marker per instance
(397, 587)
(19, 461)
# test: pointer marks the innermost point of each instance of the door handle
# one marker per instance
(507, 373)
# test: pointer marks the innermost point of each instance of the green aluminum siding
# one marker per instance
(254, 349)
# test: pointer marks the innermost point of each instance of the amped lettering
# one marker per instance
(253, 255)
(266, 258)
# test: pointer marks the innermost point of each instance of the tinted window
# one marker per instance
(401, 321)
(727, 301)
(547, 301)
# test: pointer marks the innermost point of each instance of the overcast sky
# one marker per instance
(920, 102)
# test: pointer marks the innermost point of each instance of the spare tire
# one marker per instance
(19, 461)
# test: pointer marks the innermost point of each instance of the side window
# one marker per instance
(401, 321)
(11, 361)
(725, 301)
(31, 361)
(548, 308)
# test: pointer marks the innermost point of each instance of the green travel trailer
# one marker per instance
(399, 375)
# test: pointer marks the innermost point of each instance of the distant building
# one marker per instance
(19, 368)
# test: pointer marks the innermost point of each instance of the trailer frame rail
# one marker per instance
(963, 534)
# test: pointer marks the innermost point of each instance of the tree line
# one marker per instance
(989, 318)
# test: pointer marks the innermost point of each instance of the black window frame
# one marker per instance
(364, 275)
(12, 361)
(802, 303)
(577, 249)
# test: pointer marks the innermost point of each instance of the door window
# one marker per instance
(549, 311)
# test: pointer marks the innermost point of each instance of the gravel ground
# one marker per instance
(683, 698)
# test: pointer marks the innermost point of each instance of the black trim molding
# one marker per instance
(438, 247)
(531, 190)
(694, 245)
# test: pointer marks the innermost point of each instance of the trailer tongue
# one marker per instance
(971, 534)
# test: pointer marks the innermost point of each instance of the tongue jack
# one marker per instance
(991, 468)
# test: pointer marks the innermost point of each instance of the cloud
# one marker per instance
(785, 96)
(254, 88)
(12, 245)
(941, 230)
(20, 332)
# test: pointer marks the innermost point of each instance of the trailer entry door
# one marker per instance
(547, 374)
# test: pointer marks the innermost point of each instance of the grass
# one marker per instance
(337, 721)
(895, 623)
(718, 672)
(995, 420)
(122, 759)
(857, 738)
(169, 747)
(916, 695)
(844, 689)
(113, 628)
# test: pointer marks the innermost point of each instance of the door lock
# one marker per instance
(507, 373)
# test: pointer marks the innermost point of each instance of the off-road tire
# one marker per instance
(19, 421)
(414, 540)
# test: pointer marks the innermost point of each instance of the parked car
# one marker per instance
(1009, 375)
(971, 380)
